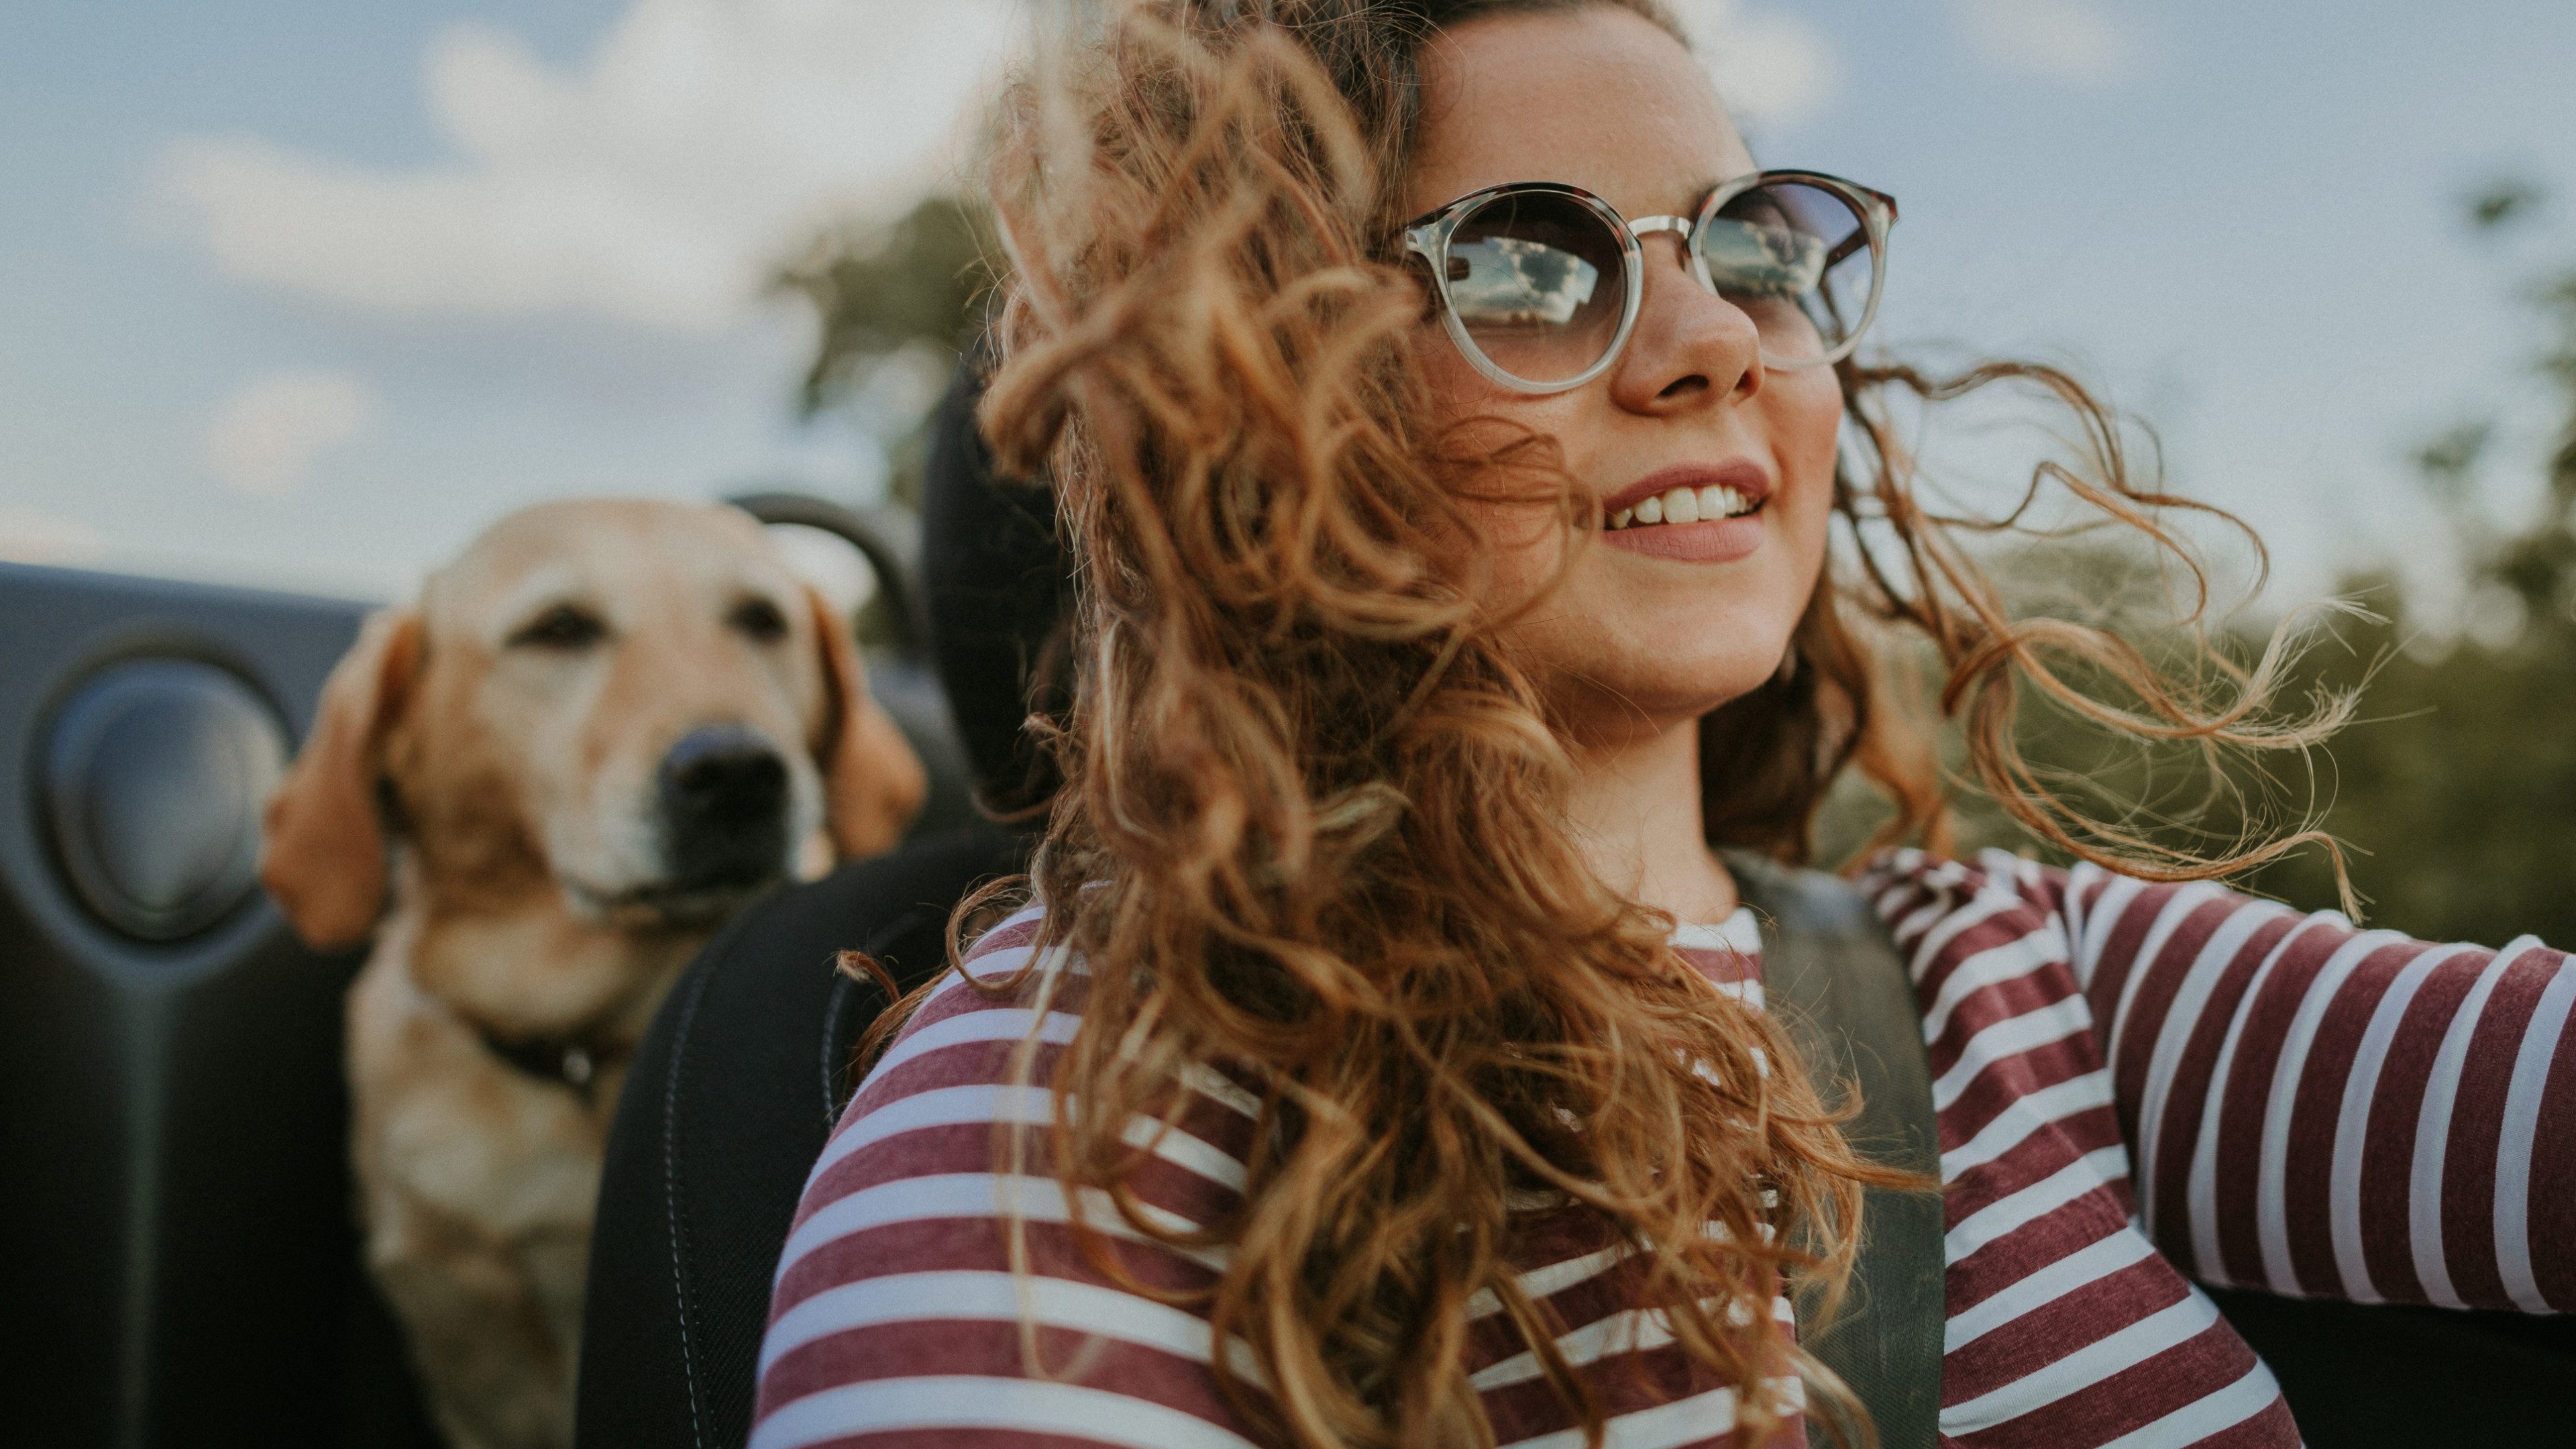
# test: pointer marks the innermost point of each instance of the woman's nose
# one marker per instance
(1691, 348)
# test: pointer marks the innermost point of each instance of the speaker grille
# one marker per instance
(154, 776)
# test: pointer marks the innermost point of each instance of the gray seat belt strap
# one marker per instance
(1832, 976)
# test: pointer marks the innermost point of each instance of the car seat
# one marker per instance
(747, 1066)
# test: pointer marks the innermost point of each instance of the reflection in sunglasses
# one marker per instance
(1767, 261)
(1505, 281)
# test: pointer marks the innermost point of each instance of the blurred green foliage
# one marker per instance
(886, 296)
(893, 306)
(2455, 790)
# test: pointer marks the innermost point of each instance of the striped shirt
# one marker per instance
(2136, 1086)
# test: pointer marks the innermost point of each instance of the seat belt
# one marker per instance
(1832, 978)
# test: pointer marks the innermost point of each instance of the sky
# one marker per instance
(302, 294)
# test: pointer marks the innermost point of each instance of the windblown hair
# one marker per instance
(1311, 823)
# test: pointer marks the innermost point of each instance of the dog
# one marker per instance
(602, 729)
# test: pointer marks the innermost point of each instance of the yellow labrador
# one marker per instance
(599, 731)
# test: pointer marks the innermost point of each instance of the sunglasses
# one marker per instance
(1540, 283)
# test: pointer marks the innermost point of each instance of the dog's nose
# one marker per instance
(724, 772)
(724, 804)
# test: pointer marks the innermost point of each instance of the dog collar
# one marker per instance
(567, 1061)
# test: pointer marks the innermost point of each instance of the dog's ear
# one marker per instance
(322, 855)
(873, 783)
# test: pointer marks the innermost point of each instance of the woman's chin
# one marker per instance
(1620, 696)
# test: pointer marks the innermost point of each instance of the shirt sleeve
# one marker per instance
(2311, 1108)
(925, 1297)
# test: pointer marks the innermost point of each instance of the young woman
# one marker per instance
(1448, 419)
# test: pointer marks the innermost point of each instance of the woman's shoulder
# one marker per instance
(2103, 922)
(1946, 908)
(1916, 886)
(933, 1237)
(982, 1052)
(1011, 991)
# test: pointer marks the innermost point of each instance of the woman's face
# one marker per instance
(1653, 625)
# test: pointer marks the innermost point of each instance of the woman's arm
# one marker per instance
(2314, 1109)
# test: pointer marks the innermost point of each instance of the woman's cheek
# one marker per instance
(1808, 423)
(1457, 390)
(1810, 402)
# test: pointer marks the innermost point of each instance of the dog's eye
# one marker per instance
(565, 626)
(760, 620)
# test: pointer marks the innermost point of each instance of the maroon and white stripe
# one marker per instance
(900, 1314)
(2275, 1100)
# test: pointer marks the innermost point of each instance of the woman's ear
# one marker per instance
(322, 855)
(873, 783)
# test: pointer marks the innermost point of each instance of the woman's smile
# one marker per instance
(1693, 512)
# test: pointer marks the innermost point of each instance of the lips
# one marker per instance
(1693, 512)
(1746, 479)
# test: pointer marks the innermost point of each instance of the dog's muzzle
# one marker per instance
(724, 798)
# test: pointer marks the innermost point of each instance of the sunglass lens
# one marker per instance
(1797, 258)
(1539, 280)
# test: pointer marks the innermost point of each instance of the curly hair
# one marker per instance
(1310, 829)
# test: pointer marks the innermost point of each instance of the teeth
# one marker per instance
(1716, 501)
(1684, 505)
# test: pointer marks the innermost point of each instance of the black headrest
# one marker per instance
(996, 588)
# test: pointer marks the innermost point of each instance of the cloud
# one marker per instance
(2078, 41)
(33, 536)
(271, 433)
(1769, 65)
(655, 184)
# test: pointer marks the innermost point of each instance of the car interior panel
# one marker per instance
(183, 1265)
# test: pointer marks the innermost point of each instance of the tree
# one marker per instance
(892, 296)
